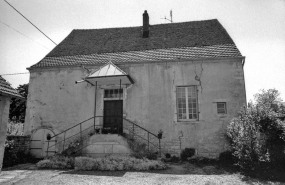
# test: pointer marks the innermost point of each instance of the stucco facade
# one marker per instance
(6, 93)
(4, 115)
(185, 79)
(56, 102)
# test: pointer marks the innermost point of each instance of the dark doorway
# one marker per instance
(113, 116)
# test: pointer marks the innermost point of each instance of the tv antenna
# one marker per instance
(171, 20)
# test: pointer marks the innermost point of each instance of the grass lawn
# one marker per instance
(177, 173)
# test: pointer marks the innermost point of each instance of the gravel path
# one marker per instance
(176, 174)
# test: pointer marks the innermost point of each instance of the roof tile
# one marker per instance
(216, 51)
(5, 88)
(187, 40)
(112, 40)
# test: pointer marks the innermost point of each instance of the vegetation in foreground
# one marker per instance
(14, 155)
(110, 163)
(257, 135)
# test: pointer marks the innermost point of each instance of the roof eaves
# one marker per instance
(12, 95)
(146, 61)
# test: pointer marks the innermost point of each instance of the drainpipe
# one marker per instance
(119, 126)
(243, 62)
(181, 135)
(95, 106)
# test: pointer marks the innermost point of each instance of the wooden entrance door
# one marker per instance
(113, 116)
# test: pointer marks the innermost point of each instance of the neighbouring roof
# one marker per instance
(187, 40)
(7, 90)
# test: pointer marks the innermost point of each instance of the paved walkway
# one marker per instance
(16, 173)
(27, 174)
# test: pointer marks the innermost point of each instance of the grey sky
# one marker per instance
(256, 26)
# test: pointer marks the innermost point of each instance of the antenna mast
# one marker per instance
(171, 16)
(171, 20)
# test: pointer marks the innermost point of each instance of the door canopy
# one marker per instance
(109, 74)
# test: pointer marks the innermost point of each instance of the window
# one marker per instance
(187, 103)
(221, 107)
(113, 93)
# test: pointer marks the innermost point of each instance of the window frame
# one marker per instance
(120, 94)
(187, 103)
(224, 108)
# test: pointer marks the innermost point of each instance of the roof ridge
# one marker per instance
(173, 23)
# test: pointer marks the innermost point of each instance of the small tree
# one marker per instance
(271, 99)
(257, 135)
(18, 106)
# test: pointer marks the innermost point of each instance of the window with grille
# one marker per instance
(187, 103)
(113, 93)
(221, 107)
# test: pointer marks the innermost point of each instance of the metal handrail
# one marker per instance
(148, 132)
(144, 139)
(81, 131)
(141, 127)
(73, 135)
(71, 127)
(155, 145)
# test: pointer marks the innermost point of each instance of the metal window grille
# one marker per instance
(221, 107)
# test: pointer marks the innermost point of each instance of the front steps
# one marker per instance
(101, 145)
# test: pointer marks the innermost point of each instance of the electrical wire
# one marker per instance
(30, 22)
(14, 74)
(23, 34)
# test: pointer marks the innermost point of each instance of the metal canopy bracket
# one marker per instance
(108, 74)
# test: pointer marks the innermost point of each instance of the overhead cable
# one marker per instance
(14, 74)
(23, 34)
(30, 22)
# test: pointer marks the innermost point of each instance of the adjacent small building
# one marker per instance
(186, 79)
(6, 93)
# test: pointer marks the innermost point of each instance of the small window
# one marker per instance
(113, 93)
(222, 108)
(187, 103)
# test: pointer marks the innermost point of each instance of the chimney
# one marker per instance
(145, 24)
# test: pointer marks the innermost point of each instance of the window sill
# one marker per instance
(114, 98)
(187, 122)
(222, 115)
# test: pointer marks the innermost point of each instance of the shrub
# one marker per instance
(187, 153)
(199, 160)
(14, 156)
(140, 151)
(15, 129)
(57, 162)
(167, 155)
(257, 135)
(72, 148)
(174, 159)
(112, 163)
(226, 157)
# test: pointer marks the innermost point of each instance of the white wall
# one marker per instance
(56, 102)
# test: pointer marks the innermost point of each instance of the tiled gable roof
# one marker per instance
(216, 51)
(6, 89)
(189, 40)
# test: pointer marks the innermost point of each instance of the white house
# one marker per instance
(185, 79)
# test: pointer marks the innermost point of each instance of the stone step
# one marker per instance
(100, 145)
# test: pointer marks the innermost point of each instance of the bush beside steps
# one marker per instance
(110, 163)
